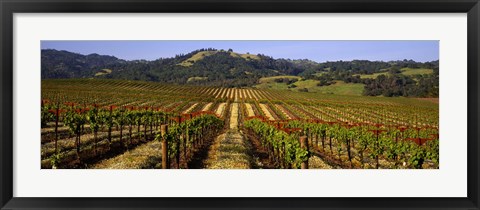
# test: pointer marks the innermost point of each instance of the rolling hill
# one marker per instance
(226, 68)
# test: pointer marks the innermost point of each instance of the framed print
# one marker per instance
(239, 105)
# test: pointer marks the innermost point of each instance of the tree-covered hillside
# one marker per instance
(222, 68)
(226, 68)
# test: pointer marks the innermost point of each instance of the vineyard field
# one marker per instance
(125, 124)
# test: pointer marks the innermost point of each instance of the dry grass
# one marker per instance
(220, 109)
(228, 152)
(234, 116)
(245, 56)
(190, 108)
(103, 72)
(193, 79)
(200, 55)
(416, 71)
(250, 111)
(267, 113)
(148, 155)
(282, 109)
(207, 107)
(315, 162)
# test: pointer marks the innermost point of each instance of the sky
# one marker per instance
(319, 51)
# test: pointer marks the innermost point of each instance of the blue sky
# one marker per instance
(319, 51)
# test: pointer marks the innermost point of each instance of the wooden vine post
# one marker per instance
(304, 145)
(284, 155)
(177, 144)
(57, 113)
(163, 132)
(146, 124)
(187, 138)
(377, 132)
(110, 119)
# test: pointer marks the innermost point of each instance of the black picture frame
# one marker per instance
(10, 7)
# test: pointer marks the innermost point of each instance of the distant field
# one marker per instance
(273, 86)
(340, 87)
(272, 79)
(405, 71)
(269, 82)
(306, 84)
(372, 76)
(410, 71)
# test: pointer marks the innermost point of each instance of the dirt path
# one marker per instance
(230, 150)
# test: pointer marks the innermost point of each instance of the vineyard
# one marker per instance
(95, 123)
